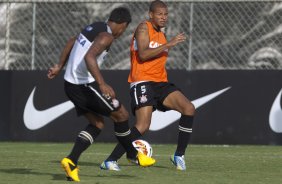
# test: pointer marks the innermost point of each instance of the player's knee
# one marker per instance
(189, 109)
(94, 120)
(123, 116)
(142, 127)
(120, 115)
(98, 124)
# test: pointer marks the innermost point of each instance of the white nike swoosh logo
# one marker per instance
(161, 120)
(35, 119)
(275, 115)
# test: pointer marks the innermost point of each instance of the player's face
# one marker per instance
(120, 29)
(159, 16)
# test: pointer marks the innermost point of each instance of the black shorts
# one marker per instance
(88, 98)
(151, 94)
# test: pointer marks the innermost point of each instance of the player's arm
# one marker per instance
(101, 43)
(143, 41)
(55, 70)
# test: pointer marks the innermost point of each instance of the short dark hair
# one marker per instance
(120, 15)
(156, 4)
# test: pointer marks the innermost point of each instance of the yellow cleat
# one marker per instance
(143, 160)
(71, 169)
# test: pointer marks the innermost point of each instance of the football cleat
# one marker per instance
(110, 165)
(142, 160)
(179, 162)
(71, 169)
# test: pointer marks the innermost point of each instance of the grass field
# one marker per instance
(36, 163)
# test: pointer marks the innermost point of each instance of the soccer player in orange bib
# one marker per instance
(149, 86)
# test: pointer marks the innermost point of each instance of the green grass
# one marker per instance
(35, 163)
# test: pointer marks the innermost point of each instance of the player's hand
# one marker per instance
(53, 71)
(177, 39)
(107, 91)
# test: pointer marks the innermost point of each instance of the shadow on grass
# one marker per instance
(91, 164)
(31, 172)
(60, 177)
(154, 166)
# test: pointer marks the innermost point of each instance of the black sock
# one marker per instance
(119, 150)
(123, 134)
(185, 131)
(84, 139)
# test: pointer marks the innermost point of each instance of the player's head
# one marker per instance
(120, 15)
(119, 20)
(158, 13)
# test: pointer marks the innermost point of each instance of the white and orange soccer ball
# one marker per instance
(143, 146)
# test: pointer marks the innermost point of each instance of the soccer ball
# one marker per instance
(143, 146)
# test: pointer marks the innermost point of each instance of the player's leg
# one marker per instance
(84, 139)
(143, 119)
(87, 136)
(86, 102)
(177, 101)
(111, 163)
(124, 137)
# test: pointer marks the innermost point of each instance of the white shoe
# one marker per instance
(179, 162)
(110, 165)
